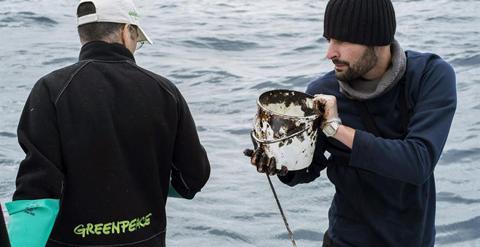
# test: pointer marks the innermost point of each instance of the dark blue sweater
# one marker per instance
(385, 188)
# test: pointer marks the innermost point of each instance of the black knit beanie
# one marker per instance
(366, 22)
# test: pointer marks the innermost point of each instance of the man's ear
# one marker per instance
(125, 33)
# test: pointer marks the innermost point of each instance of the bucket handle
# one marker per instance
(275, 141)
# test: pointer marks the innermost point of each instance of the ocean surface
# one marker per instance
(222, 54)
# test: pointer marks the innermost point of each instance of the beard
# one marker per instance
(358, 69)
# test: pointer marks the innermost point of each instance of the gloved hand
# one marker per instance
(263, 163)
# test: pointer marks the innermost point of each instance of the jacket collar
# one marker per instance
(100, 50)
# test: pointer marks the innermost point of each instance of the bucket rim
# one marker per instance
(310, 117)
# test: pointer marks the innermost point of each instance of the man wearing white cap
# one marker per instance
(106, 142)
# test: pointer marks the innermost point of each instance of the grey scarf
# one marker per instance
(361, 89)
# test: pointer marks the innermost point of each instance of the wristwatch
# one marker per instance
(330, 127)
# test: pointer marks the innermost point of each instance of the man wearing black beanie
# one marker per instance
(387, 117)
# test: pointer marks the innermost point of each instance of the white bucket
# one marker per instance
(286, 127)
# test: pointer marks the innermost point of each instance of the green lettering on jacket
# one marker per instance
(109, 228)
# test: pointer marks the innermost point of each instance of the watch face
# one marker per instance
(329, 130)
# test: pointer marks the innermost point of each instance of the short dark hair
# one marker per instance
(95, 30)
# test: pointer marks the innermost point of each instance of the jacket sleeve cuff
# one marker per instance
(361, 149)
(181, 189)
(31, 221)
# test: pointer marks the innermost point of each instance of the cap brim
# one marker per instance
(143, 36)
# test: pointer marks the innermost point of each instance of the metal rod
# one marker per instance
(290, 233)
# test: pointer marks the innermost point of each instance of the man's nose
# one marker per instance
(332, 51)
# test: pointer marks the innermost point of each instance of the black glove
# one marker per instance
(263, 163)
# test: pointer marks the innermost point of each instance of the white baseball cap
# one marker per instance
(117, 11)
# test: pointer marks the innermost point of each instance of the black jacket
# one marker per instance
(385, 186)
(105, 137)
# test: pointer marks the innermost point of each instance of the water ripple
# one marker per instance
(214, 76)
(7, 134)
(267, 85)
(306, 48)
(198, 228)
(459, 232)
(454, 19)
(229, 234)
(264, 215)
(477, 107)
(467, 61)
(453, 156)
(453, 198)
(241, 132)
(294, 81)
(220, 44)
(303, 235)
(8, 163)
(62, 60)
(25, 19)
